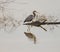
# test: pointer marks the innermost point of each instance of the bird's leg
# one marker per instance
(43, 28)
(32, 22)
(28, 30)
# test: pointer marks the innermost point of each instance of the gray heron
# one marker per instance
(30, 18)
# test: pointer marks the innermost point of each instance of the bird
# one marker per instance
(31, 17)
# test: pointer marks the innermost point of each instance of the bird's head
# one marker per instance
(34, 12)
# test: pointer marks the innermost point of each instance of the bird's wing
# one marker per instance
(29, 18)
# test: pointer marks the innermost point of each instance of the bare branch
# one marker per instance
(37, 23)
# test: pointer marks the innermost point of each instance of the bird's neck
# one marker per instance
(34, 14)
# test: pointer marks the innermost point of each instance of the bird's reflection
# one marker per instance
(31, 36)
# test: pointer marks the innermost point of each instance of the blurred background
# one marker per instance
(16, 41)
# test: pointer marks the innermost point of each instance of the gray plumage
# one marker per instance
(29, 18)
